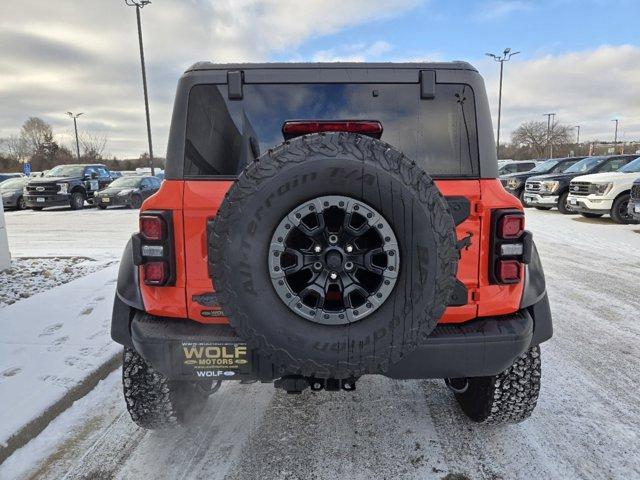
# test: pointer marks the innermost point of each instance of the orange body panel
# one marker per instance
(201, 202)
(196, 201)
(168, 301)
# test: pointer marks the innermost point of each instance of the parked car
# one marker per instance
(63, 185)
(634, 201)
(516, 166)
(514, 182)
(12, 192)
(115, 174)
(552, 190)
(605, 193)
(127, 191)
(333, 253)
(7, 176)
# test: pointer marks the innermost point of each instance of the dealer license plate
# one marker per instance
(222, 360)
(573, 201)
(106, 199)
(40, 199)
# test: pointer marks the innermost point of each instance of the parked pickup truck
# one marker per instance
(547, 191)
(514, 182)
(66, 185)
(605, 193)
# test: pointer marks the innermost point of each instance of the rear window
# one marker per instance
(223, 135)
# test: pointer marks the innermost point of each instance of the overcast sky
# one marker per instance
(580, 58)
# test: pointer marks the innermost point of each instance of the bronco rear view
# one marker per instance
(321, 222)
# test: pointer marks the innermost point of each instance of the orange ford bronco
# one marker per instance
(320, 222)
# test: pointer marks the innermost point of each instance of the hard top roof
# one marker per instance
(455, 65)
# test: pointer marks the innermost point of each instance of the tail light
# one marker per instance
(511, 226)
(296, 128)
(155, 273)
(153, 248)
(510, 246)
(152, 227)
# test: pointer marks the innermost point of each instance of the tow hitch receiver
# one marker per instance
(298, 383)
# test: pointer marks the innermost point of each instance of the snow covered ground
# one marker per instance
(93, 233)
(28, 276)
(50, 343)
(586, 424)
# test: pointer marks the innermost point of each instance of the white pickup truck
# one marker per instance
(605, 193)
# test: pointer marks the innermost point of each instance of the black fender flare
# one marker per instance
(535, 300)
(128, 298)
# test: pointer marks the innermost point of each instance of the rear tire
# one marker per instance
(20, 204)
(102, 207)
(590, 215)
(509, 397)
(563, 207)
(153, 401)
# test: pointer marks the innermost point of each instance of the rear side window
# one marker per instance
(614, 164)
(223, 135)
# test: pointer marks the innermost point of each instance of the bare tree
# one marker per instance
(534, 136)
(35, 133)
(15, 147)
(93, 145)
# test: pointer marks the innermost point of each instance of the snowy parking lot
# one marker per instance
(586, 425)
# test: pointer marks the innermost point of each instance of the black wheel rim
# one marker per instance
(334, 260)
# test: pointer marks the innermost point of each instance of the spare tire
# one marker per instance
(333, 255)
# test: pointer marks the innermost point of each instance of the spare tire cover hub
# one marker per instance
(333, 260)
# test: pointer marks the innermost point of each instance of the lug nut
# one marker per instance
(317, 266)
(333, 239)
(349, 248)
(333, 275)
(317, 249)
(348, 265)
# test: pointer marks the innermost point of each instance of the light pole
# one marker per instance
(75, 127)
(505, 57)
(615, 137)
(140, 4)
(549, 117)
(578, 137)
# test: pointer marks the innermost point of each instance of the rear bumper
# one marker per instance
(589, 205)
(112, 200)
(188, 350)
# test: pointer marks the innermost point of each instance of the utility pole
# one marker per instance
(578, 137)
(549, 125)
(505, 57)
(615, 137)
(75, 127)
(140, 4)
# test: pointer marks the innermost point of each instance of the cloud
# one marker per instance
(359, 52)
(498, 9)
(58, 56)
(586, 88)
